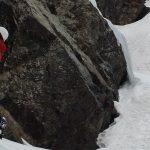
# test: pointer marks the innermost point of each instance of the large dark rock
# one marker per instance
(62, 73)
(121, 11)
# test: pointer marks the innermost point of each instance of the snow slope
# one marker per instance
(131, 130)
(9, 145)
(147, 4)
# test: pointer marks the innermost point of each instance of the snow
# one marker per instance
(94, 3)
(147, 4)
(121, 40)
(131, 130)
(9, 145)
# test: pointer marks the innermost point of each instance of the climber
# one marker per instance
(3, 125)
(3, 50)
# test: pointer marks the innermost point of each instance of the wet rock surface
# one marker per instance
(62, 73)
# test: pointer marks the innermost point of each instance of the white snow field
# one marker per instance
(131, 130)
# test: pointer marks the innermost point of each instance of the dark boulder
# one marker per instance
(121, 11)
(62, 73)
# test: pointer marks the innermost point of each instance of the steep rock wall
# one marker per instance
(61, 77)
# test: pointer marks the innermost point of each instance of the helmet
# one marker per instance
(4, 33)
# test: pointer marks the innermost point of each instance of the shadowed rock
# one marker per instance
(62, 73)
(121, 11)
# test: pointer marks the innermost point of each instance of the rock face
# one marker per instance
(62, 73)
(121, 11)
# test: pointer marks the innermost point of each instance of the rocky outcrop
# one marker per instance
(121, 11)
(62, 73)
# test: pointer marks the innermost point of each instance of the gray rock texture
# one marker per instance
(121, 11)
(62, 73)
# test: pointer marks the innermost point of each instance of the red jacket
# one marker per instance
(2, 49)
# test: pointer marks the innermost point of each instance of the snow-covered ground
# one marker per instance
(9, 145)
(147, 4)
(131, 130)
